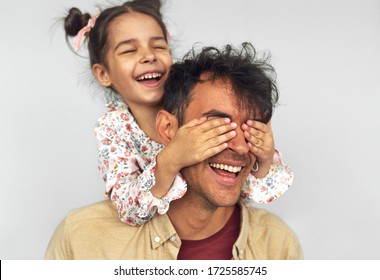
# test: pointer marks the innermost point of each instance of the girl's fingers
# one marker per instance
(215, 141)
(254, 132)
(195, 122)
(259, 126)
(212, 146)
(214, 150)
(203, 130)
(252, 148)
(253, 139)
(224, 131)
(217, 144)
(258, 152)
(214, 124)
(260, 135)
(260, 139)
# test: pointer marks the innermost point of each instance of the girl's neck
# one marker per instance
(146, 119)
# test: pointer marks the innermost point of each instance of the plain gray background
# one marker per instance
(327, 55)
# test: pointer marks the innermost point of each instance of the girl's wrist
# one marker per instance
(263, 168)
(167, 160)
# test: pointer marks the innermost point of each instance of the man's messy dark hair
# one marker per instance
(252, 79)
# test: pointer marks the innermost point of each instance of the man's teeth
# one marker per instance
(149, 76)
(229, 168)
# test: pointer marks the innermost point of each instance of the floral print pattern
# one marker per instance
(265, 190)
(127, 160)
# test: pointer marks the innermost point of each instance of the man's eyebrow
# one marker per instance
(131, 41)
(216, 114)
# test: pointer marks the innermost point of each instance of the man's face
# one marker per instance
(209, 180)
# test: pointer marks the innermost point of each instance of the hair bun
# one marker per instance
(156, 4)
(75, 21)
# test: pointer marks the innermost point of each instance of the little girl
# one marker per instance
(130, 57)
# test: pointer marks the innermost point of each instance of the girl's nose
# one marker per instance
(148, 56)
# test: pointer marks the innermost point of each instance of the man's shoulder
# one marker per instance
(269, 237)
(90, 232)
(263, 218)
(262, 222)
(96, 211)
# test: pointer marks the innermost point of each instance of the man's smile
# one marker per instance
(226, 168)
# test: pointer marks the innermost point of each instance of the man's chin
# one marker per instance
(225, 201)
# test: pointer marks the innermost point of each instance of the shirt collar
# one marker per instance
(115, 105)
(163, 231)
(239, 247)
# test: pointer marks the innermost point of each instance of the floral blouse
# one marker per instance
(127, 160)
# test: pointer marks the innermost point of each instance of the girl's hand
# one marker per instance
(194, 142)
(200, 139)
(261, 144)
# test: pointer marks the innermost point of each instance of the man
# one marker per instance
(208, 222)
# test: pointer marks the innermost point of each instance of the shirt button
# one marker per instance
(173, 238)
(241, 251)
(157, 239)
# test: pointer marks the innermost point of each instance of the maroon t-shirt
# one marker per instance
(215, 247)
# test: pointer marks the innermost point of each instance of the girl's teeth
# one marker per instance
(149, 76)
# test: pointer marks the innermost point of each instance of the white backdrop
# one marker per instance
(327, 55)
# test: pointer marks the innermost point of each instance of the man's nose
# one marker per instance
(239, 144)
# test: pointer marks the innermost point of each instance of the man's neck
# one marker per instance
(193, 222)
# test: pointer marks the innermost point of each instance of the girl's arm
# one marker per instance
(271, 178)
(264, 190)
(129, 176)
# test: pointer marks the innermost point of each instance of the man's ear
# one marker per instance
(101, 74)
(166, 126)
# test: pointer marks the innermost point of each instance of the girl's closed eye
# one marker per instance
(161, 47)
(128, 51)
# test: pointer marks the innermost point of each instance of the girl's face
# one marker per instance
(138, 60)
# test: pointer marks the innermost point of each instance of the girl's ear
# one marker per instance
(166, 126)
(101, 74)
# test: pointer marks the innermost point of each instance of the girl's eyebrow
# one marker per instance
(131, 41)
(216, 114)
(125, 42)
(157, 38)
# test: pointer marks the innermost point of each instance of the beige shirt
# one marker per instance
(95, 232)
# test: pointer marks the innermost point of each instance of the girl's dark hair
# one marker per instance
(252, 79)
(97, 37)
